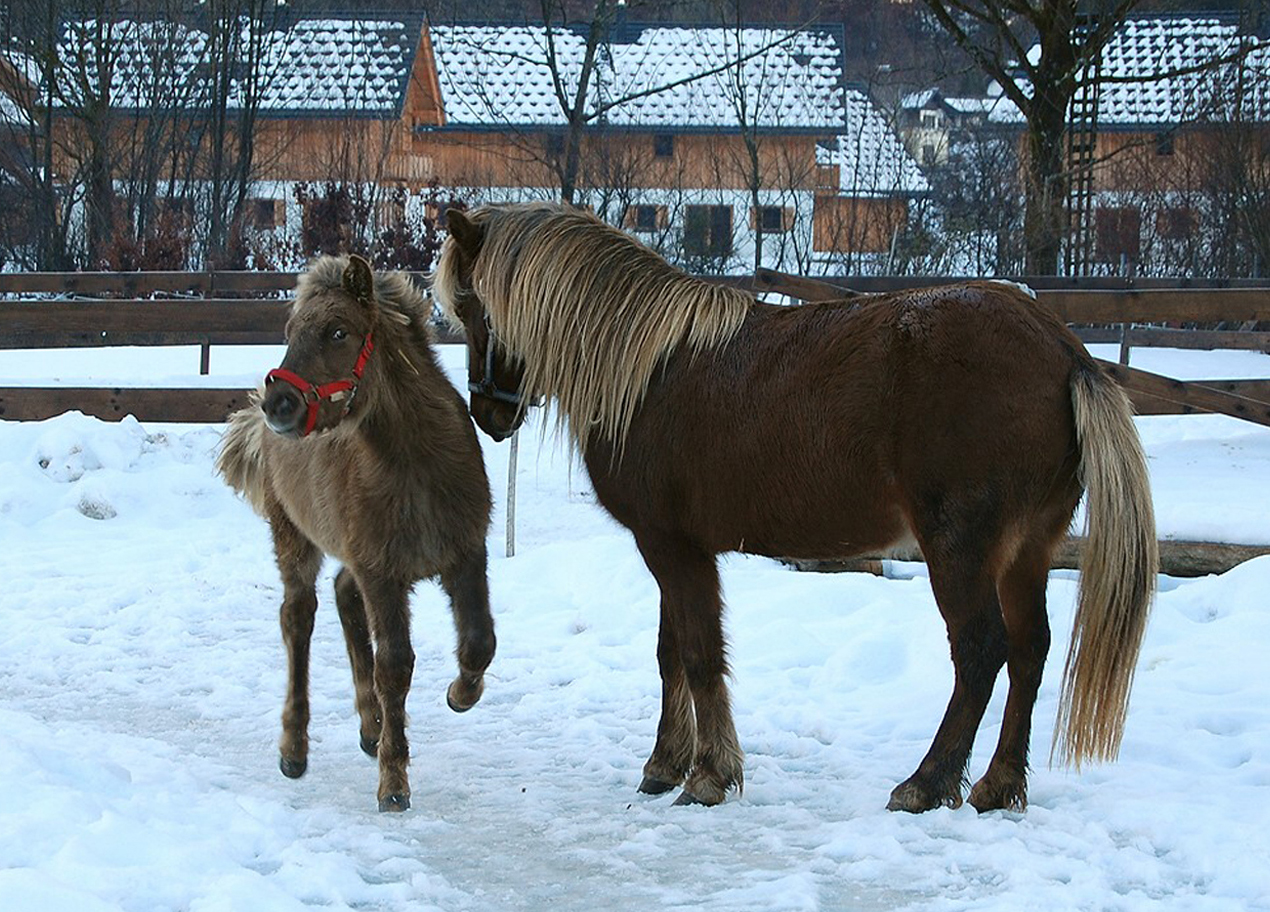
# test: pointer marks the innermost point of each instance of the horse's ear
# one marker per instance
(359, 281)
(464, 232)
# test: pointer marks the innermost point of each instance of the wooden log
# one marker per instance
(1072, 305)
(1177, 558)
(112, 403)
(1189, 394)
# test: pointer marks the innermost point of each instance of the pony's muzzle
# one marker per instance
(284, 408)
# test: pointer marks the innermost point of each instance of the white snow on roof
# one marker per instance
(498, 76)
(340, 64)
(871, 159)
(314, 65)
(1144, 78)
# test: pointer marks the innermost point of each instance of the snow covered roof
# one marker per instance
(870, 158)
(316, 66)
(1145, 80)
(495, 76)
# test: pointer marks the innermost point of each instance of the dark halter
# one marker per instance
(487, 386)
(335, 391)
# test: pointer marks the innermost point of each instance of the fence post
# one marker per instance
(511, 494)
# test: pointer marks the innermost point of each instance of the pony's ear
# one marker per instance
(359, 281)
(464, 232)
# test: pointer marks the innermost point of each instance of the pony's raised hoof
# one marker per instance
(292, 769)
(462, 696)
(394, 804)
(370, 746)
(913, 796)
(654, 786)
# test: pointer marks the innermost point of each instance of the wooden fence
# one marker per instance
(222, 308)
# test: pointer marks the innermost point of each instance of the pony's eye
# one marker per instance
(339, 334)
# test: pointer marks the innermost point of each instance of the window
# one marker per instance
(1176, 224)
(645, 218)
(553, 145)
(931, 120)
(771, 219)
(1163, 143)
(1117, 233)
(264, 214)
(708, 231)
(928, 154)
(664, 145)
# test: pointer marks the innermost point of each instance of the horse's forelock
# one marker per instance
(592, 312)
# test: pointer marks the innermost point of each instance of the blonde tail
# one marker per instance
(1118, 573)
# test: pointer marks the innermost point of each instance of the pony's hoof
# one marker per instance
(292, 769)
(688, 799)
(654, 786)
(370, 746)
(394, 803)
(911, 796)
(462, 696)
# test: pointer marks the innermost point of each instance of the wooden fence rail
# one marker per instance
(223, 308)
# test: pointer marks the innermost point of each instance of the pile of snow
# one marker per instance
(141, 681)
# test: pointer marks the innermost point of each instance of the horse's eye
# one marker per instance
(339, 334)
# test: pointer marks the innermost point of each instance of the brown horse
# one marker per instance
(966, 419)
(360, 448)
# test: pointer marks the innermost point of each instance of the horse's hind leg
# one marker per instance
(967, 598)
(299, 561)
(388, 609)
(348, 598)
(1022, 590)
(692, 619)
(468, 588)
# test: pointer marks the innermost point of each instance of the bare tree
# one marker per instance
(998, 37)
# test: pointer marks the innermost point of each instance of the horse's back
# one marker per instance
(823, 430)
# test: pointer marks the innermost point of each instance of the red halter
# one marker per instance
(335, 390)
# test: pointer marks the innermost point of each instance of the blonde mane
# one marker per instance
(591, 312)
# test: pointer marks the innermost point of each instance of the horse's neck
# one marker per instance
(410, 405)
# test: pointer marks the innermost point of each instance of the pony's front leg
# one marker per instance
(299, 561)
(361, 657)
(388, 608)
(468, 588)
(692, 620)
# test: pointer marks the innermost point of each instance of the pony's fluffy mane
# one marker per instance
(590, 311)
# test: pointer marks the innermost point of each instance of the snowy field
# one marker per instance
(142, 672)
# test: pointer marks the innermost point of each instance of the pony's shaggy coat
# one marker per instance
(392, 485)
(966, 418)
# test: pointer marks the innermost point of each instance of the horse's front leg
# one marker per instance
(692, 622)
(361, 657)
(299, 561)
(676, 745)
(468, 588)
(388, 609)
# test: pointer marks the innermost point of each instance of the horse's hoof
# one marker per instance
(654, 786)
(998, 796)
(394, 803)
(912, 797)
(370, 746)
(292, 769)
(462, 696)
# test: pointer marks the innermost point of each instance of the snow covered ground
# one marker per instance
(141, 679)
